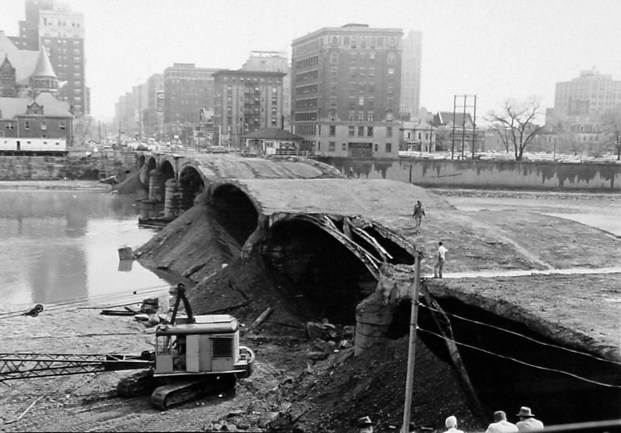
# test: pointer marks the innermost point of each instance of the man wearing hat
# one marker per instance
(500, 424)
(527, 420)
(365, 425)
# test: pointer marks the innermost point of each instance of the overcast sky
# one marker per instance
(494, 49)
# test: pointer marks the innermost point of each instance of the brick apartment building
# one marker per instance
(246, 101)
(346, 86)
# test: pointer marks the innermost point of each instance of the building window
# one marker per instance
(361, 100)
(389, 116)
(362, 71)
(61, 125)
(9, 126)
(352, 115)
(370, 102)
(332, 130)
(370, 118)
(388, 147)
(370, 131)
(26, 124)
(361, 131)
(360, 116)
(43, 125)
(372, 53)
(352, 72)
(376, 147)
(344, 146)
(352, 102)
(389, 131)
(391, 73)
(331, 146)
(371, 87)
(334, 57)
(352, 131)
(392, 58)
(333, 102)
(353, 86)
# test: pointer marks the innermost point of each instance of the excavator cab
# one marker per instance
(210, 345)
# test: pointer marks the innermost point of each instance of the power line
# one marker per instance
(107, 296)
(607, 385)
(521, 335)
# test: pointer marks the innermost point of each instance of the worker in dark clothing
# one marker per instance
(418, 213)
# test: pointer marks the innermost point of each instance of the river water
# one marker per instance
(62, 246)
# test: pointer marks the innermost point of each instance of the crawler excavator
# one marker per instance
(194, 356)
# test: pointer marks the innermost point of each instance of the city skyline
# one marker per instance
(486, 48)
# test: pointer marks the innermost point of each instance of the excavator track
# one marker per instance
(137, 384)
(167, 396)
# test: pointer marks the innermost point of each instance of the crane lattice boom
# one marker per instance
(30, 365)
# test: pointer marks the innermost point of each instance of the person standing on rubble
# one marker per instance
(418, 213)
(440, 259)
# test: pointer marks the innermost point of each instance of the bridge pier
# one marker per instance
(172, 202)
(187, 195)
(375, 314)
(157, 186)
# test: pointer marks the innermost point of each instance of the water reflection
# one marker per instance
(62, 245)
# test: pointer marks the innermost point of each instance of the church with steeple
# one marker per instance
(29, 106)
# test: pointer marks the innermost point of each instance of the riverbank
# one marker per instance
(54, 184)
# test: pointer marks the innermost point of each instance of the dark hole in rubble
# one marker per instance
(235, 212)
(321, 277)
(503, 384)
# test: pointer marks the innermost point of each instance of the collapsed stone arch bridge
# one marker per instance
(331, 235)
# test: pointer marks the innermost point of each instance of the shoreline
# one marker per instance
(54, 184)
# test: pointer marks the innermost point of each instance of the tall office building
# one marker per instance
(346, 86)
(187, 90)
(587, 97)
(277, 62)
(410, 74)
(51, 24)
(246, 101)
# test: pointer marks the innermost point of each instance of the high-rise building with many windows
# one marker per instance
(54, 26)
(586, 97)
(187, 90)
(346, 87)
(410, 74)
(246, 101)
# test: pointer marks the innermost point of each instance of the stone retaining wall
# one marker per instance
(78, 167)
(488, 174)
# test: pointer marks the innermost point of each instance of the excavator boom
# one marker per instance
(29, 365)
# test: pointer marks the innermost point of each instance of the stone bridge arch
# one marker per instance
(331, 259)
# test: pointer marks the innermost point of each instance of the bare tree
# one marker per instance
(443, 137)
(611, 130)
(515, 125)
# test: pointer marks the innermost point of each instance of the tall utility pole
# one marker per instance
(469, 101)
(409, 382)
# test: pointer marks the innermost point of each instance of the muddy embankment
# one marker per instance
(513, 355)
